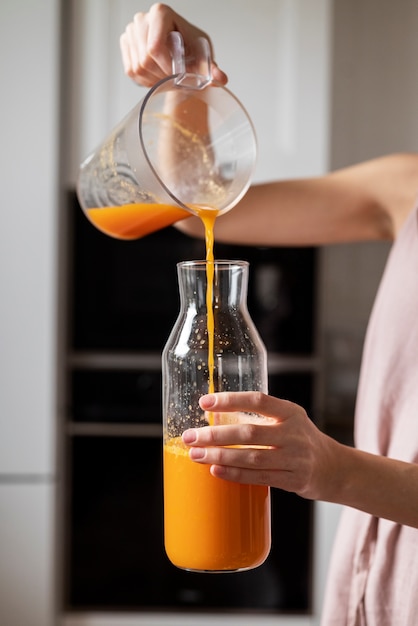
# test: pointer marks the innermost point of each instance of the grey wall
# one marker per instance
(374, 100)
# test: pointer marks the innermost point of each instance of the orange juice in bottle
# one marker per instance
(211, 524)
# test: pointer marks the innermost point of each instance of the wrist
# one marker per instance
(337, 484)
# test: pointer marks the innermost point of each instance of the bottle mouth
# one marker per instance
(218, 263)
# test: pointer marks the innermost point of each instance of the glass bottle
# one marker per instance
(211, 524)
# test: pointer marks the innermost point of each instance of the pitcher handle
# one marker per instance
(195, 70)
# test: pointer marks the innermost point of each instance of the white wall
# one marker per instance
(28, 166)
(375, 86)
(29, 58)
(374, 112)
(278, 62)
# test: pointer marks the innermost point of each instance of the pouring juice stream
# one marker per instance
(131, 221)
(210, 524)
(220, 548)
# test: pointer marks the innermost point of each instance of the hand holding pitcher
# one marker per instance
(189, 144)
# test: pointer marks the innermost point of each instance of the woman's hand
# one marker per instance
(145, 54)
(288, 451)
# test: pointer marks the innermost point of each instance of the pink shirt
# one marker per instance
(373, 577)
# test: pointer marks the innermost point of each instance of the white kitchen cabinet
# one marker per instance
(29, 63)
(27, 553)
(29, 128)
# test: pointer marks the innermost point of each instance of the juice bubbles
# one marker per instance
(212, 524)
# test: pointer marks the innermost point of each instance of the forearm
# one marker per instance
(380, 486)
(304, 212)
(297, 213)
(364, 202)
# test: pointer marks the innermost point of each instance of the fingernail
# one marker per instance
(197, 453)
(189, 436)
(207, 402)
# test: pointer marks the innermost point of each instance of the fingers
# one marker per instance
(283, 479)
(251, 402)
(259, 458)
(276, 467)
(160, 21)
(145, 55)
(279, 451)
(144, 49)
(245, 430)
(250, 446)
(230, 435)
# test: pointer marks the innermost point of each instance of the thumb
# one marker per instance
(218, 75)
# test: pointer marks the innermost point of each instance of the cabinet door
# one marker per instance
(26, 554)
(29, 57)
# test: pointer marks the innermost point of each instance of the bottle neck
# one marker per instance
(230, 282)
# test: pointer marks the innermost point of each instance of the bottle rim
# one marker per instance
(218, 263)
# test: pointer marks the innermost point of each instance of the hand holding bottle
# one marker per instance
(288, 452)
(291, 453)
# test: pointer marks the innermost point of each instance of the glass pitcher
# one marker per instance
(189, 144)
(211, 524)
